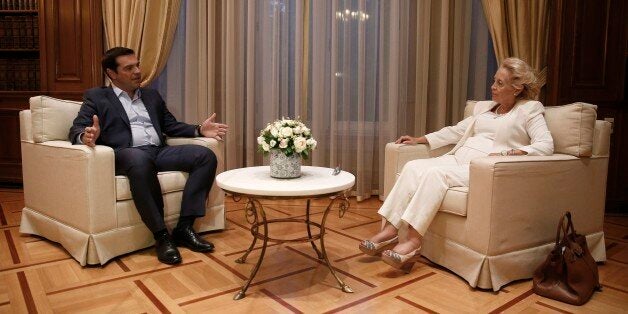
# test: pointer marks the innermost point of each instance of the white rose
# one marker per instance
(300, 144)
(265, 146)
(284, 143)
(286, 132)
(274, 131)
(277, 125)
(306, 131)
(311, 143)
(298, 130)
(273, 143)
(260, 140)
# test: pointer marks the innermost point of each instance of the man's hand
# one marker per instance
(407, 139)
(212, 129)
(91, 133)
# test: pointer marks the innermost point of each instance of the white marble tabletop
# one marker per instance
(257, 181)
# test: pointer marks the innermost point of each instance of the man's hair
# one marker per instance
(109, 59)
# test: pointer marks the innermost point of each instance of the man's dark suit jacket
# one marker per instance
(115, 128)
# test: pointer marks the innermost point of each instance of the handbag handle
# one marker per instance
(570, 223)
(561, 226)
(566, 229)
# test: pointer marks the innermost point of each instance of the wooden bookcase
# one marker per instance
(47, 47)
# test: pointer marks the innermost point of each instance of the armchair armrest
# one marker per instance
(73, 184)
(397, 155)
(203, 141)
(516, 201)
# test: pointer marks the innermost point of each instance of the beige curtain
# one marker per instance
(425, 86)
(145, 26)
(240, 75)
(359, 73)
(520, 29)
(442, 63)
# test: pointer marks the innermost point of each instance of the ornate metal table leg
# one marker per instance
(241, 293)
(343, 207)
(251, 217)
(309, 232)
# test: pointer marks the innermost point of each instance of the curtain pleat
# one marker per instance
(334, 99)
(147, 27)
(520, 29)
(442, 63)
(251, 50)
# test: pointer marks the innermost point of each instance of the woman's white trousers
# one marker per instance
(420, 189)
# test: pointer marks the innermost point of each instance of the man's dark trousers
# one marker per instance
(141, 164)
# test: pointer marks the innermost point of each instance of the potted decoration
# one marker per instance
(287, 141)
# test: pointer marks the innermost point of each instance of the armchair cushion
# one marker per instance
(455, 201)
(51, 117)
(572, 128)
(170, 181)
(127, 215)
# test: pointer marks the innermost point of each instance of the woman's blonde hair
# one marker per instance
(522, 75)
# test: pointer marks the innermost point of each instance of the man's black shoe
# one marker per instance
(167, 251)
(185, 236)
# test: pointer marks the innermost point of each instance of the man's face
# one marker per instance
(128, 76)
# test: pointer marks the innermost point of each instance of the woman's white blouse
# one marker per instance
(481, 143)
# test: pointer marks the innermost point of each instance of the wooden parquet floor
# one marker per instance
(37, 275)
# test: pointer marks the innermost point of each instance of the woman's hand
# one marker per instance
(407, 139)
(510, 152)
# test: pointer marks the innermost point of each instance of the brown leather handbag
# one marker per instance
(569, 274)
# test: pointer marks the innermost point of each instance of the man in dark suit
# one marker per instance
(134, 122)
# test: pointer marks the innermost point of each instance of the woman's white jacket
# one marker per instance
(523, 127)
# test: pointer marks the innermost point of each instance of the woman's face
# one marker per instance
(502, 90)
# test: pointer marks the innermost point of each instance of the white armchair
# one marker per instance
(72, 195)
(503, 225)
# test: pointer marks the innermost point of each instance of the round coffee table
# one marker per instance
(255, 183)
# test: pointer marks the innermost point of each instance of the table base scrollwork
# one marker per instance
(256, 217)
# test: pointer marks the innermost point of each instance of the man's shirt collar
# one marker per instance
(118, 92)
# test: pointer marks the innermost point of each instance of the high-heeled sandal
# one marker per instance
(402, 262)
(375, 249)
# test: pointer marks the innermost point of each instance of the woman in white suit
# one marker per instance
(511, 124)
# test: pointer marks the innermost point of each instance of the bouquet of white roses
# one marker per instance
(288, 136)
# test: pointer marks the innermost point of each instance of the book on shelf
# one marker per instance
(3, 74)
(35, 28)
(19, 32)
(19, 74)
(2, 32)
(18, 5)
